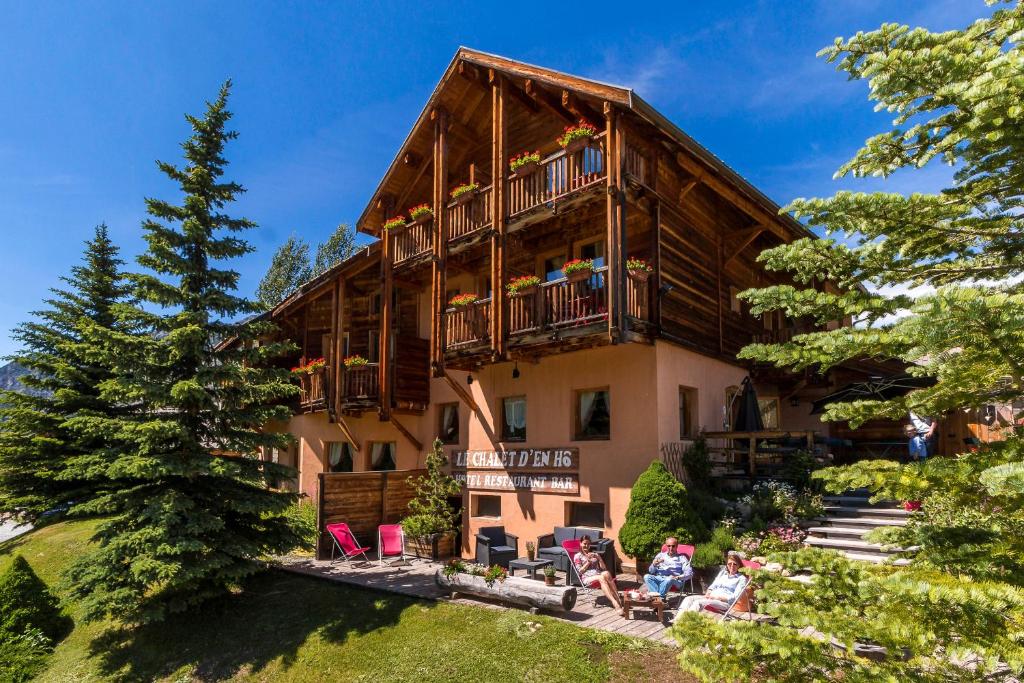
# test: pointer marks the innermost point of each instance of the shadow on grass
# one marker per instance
(270, 619)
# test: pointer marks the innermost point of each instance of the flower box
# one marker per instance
(462, 300)
(638, 269)
(464, 194)
(421, 214)
(394, 223)
(354, 362)
(574, 138)
(578, 270)
(523, 286)
(525, 164)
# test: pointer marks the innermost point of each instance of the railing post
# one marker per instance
(498, 165)
(612, 233)
(440, 251)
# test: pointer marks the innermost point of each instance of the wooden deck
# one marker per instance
(416, 579)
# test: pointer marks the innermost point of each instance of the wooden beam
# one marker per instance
(499, 138)
(686, 189)
(579, 108)
(407, 434)
(471, 73)
(548, 101)
(347, 432)
(517, 93)
(385, 367)
(412, 159)
(611, 228)
(461, 392)
(744, 240)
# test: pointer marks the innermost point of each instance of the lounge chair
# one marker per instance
(345, 541)
(549, 546)
(686, 550)
(591, 588)
(744, 596)
(390, 542)
(495, 546)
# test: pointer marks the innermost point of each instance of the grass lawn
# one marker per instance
(284, 627)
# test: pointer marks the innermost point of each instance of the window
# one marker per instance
(593, 414)
(586, 514)
(513, 418)
(382, 456)
(769, 412)
(345, 348)
(593, 250)
(735, 305)
(375, 303)
(448, 425)
(373, 352)
(339, 456)
(487, 506)
(551, 267)
(687, 412)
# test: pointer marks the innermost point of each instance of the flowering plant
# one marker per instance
(776, 538)
(638, 265)
(392, 223)
(309, 368)
(454, 566)
(577, 264)
(462, 299)
(463, 189)
(495, 573)
(582, 129)
(420, 211)
(523, 158)
(518, 284)
(354, 361)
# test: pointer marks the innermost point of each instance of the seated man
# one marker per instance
(669, 569)
(727, 586)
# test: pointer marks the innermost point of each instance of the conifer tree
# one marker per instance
(338, 247)
(288, 269)
(190, 510)
(36, 438)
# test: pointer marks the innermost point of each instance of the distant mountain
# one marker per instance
(10, 378)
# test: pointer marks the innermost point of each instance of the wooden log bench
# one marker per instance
(514, 590)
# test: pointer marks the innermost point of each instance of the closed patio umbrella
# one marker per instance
(748, 419)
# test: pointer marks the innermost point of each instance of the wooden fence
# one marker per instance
(363, 500)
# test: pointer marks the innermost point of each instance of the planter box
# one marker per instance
(515, 590)
(465, 197)
(437, 547)
(580, 275)
(527, 169)
(524, 292)
(425, 218)
(578, 144)
(639, 275)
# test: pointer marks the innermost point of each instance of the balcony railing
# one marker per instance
(638, 164)
(467, 218)
(360, 383)
(560, 175)
(561, 303)
(637, 298)
(467, 325)
(413, 240)
(311, 390)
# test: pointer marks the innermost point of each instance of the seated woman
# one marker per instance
(727, 586)
(591, 567)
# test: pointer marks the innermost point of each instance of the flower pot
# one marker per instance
(425, 218)
(529, 556)
(549, 580)
(580, 275)
(525, 291)
(527, 169)
(578, 144)
(436, 547)
(639, 275)
(465, 197)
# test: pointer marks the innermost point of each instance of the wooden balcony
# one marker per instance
(413, 241)
(311, 392)
(360, 386)
(561, 178)
(560, 304)
(471, 219)
(467, 326)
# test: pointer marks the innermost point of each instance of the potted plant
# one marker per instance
(316, 365)
(578, 269)
(393, 223)
(525, 164)
(430, 528)
(462, 300)
(549, 575)
(638, 269)
(355, 361)
(464, 193)
(421, 214)
(576, 137)
(522, 286)
(531, 550)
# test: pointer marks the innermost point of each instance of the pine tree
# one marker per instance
(338, 247)
(429, 511)
(288, 269)
(190, 511)
(37, 428)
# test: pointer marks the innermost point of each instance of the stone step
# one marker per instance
(876, 559)
(840, 531)
(867, 522)
(848, 544)
(850, 511)
(858, 502)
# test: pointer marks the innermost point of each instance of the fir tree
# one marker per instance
(190, 511)
(429, 511)
(338, 247)
(288, 269)
(37, 434)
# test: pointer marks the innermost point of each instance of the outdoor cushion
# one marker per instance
(495, 534)
(502, 549)
(564, 533)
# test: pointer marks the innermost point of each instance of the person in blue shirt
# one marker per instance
(727, 589)
(668, 569)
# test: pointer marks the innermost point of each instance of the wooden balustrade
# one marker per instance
(560, 303)
(413, 240)
(360, 383)
(471, 216)
(637, 297)
(637, 164)
(559, 175)
(467, 325)
(311, 389)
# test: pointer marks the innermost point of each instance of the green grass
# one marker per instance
(284, 627)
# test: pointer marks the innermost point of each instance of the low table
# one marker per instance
(629, 603)
(529, 565)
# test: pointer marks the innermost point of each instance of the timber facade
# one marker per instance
(552, 400)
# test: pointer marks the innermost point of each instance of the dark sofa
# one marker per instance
(549, 546)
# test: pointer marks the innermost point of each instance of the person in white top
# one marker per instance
(722, 592)
(668, 570)
(922, 433)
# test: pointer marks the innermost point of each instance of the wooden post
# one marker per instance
(752, 456)
(718, 278)
(499, 299)
(305, 333)
(439, 279)
(612, 234)
(320, 555)
(621, 247)
(339, 344)
(655, 293)
(384, 368)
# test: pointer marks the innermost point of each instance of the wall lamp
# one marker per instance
(469, 378)
(665, 289)
(515, 371)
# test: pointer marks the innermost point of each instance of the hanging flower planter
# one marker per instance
(577, 137)
(464, 193)
(578, 270)
(394, 223)
(525, 164)
(421, 214)
(356, 361)
(462, 300)
(523, 286)
(313, 366)
(638, 269)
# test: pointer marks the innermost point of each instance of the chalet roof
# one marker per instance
(708, 168)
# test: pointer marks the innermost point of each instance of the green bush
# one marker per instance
(709, 508)
(302, 517)
(658, 507)
(26, 603)
(799, 468)
(430, 511)
(22, 655)
(712, 553)
(697, 463)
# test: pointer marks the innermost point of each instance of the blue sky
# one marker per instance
(324, 93)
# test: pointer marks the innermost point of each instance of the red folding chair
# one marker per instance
(390, 542)
(686, 550)
(746, 591)
(345, 541)
(590, 588)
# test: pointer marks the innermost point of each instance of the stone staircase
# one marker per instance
(850, 517)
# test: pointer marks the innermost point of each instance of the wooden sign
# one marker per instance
(519, 459)
(540, 482)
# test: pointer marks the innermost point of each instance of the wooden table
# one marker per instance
(654, 603)
(529, 565)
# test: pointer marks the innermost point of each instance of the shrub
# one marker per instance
(697, 463)
(431, 512)
(22, 655)
(712, 553)
(302, 517)
(26, 603)
(658, 507)
(770, 500)
(709, 509)
(799, 467)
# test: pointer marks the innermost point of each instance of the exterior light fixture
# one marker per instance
(469, 378)
(515, 371)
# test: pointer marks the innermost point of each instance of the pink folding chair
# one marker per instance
(390, 542)
(686, 550)
(591, 588)
(747, 590)
(345, 541)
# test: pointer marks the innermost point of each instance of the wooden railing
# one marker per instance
(311, 389)
(637, 298)
(360, 383)
(561, 303)
(467, 325)
(471, 216)
(413, 240)
(637, 164)
(746, 450)
(559, 175)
